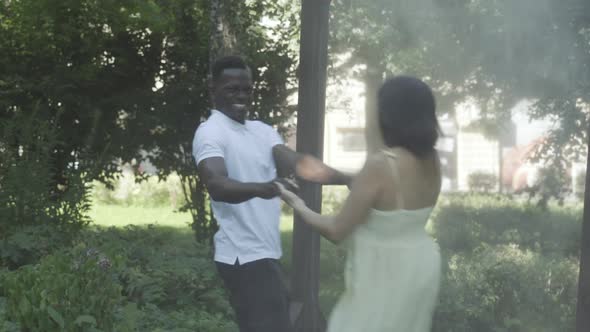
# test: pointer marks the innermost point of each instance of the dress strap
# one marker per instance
(392, 160)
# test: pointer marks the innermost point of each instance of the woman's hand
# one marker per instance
(290, 197)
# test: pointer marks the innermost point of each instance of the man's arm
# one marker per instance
(223, 189)
(306, 167)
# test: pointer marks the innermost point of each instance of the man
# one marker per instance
(239, 160)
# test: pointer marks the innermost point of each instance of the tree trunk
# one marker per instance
(222, 39)
(583, 309)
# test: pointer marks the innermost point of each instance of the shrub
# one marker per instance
(507, 289)
(27, 244)
(482, 181)
(169, 280)
(5, 324)
(463, 222)
(73, 290)
(30, 193)
(333, 198)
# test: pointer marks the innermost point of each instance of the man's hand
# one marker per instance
(268, 190)
(290, 183)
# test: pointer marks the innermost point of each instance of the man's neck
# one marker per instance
(241, 121)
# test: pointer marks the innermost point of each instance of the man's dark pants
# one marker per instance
(258, 295)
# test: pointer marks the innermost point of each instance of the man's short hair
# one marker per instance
(227, 62)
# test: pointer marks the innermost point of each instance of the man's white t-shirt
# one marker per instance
(248, 231)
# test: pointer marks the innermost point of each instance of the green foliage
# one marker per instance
(464, 222)
(73, 290)
(169, 281)
(5, 323)
(29, 192)
(503, 288)
(482, 182)
(124, 80)
(333, 198)
(495, 53)
(37, 213)
(553, 183)
(27, 244)
(510, 267)
(87, 67)
(33, 221)
(158, 279)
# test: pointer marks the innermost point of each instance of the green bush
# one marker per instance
(27, 244)
(507, 289)
(169, 280)
(511, 267)
(482, 181)
(73, 290)
(30, 193)
(160, 279)
(333, 198)
(6, 325)
(463, 222)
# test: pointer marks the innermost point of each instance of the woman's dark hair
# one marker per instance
(406, 111)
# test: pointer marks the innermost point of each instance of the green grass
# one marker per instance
(119, 216)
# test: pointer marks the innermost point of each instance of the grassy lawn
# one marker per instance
(119, 216)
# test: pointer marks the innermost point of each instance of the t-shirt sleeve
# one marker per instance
(275, 138)
(206, 145)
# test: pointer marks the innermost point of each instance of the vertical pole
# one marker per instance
(310, 138)
(583, 309)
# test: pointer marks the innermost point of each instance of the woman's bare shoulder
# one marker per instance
(376, 161)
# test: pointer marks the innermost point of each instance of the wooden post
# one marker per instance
(310, 139)
(583, 309)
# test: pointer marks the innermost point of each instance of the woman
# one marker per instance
(393, 267)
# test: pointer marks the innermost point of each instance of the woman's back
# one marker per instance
(408, 182)
(393, 267)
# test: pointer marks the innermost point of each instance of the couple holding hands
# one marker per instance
(393, 267)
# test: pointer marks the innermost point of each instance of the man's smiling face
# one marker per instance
(232, 93)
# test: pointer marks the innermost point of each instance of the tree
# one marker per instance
(498, 52)
(383, 38)
(119, 79)
(75, 73)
